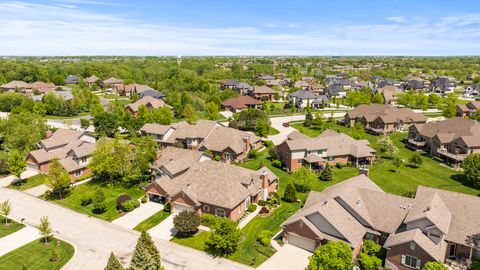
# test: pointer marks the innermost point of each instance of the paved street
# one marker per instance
(132, 219)
(94, 239)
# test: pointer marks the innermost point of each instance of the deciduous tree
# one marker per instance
(45, 228)
(224, 238)
(331, 256)
(471, 169)
(5, 209)
(58, 178)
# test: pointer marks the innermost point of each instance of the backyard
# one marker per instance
(36, 256)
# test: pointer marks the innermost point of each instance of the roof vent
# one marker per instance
(428, 208)
(324, 203)
(358, 203)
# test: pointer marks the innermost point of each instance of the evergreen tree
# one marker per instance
(308, 119)
(146, 255)
(327, 173)
(290, 194)
(113, 263)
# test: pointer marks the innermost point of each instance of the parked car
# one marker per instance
(286, 124)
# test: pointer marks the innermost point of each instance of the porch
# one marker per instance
(456, 157)
(415, 144)
(375, 130)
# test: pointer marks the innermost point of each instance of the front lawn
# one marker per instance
(273, 131)
(36, 256)
(152, 221)
(72, 200)
(405, 178)
(196, 242)
(30, 182)
(10, 227)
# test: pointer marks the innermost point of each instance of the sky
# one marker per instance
(234, 27)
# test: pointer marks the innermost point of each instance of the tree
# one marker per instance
(22, 131)
(189, 113)
(327, 173)
(434, 266)
(396, 161)
(290, 194)
(106, 124)
(358, 131)
(248, 119)
(369, 262)
(5, 209)
(318, 120)
(308, 119)
(39, 108)
(224, 238)
(142, 155)
(304, 176)
(163, 116)
(45, 228)
(378, 98)
(16, 163)
(146, 255)
(113, 263)
(98, 200)
(84, 123)
(58, 178)
(187, 222)
(263, 127)
(371, 248)
(331, 256)
(388, 145)
(416, 160)
(471, 169)
(212, 110)
(108, 159)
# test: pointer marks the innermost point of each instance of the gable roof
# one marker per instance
(416, 235)
(263, 90)
(147, 101)
(241, 102)
(451, 129)
(113, 80)
(222, 138)
(387, 113)
(15, 84)
(303, 94)
(92, 79)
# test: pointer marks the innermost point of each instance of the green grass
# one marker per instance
(30, 182)
(405, 178)
(10, 227)
(202, 115)
(196, 242)
(55, 117)
(121, 102)
(73, 199)
(432, 114)
(152, 221)
(111, 96)
(36, 256)
(273, 131)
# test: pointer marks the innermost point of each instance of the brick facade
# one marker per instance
(394, 255)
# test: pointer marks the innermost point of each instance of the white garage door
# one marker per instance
(177, 208)
(32, 166)
(301, 242)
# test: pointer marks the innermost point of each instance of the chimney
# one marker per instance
(247, 143)
(363, 171)
(264, 178)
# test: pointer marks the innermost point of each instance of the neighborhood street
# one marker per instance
(94, 239)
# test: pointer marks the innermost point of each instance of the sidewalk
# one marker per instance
(18, 239)
(249, 217)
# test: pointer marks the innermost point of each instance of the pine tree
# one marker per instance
(146, 255)
(326, 174)
(113, 263)
(290, 194)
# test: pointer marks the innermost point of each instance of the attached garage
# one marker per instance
(32, 166)
(178, 207)
(301, 242)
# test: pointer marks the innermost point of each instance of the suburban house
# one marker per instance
(149, 102)
(265, 77)
(335, 90)
(152, 93)
(416, 83)
(468, 109)
(390, 94)
(72, 148)
(228, 144)
(317, 88)
(382, 118)
(72, 80)
(443, 85)
(452, 139)
(382, 82)
(237, 104)
(93, 79)
(192, 182)
(41, 86)
(472, 91)
(436, 225)
(303, 97)
(263, 93)
(112, 82)
(15, 86)
(329, 147)
(243, 88)
(131, 89)
(228, 84)
(301, 85)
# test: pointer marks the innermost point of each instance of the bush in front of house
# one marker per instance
(209, 220)
(99, 204)
(262, 203)
(86, 200)
(187, 222)
(122, 199)
(217, 158)
(252, 207)
(340, 165)
(264, 237)
(144, 199)
(128, 206)
(277, 163)
(166, 207)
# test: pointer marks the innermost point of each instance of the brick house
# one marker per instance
(93, 79)
(468, 110)
(148, 101)
(329, 147)
(436, 225)
(263, 93)
(189, 181)
(237, 104)
(382, 118)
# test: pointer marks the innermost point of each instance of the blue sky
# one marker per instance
(247, 27)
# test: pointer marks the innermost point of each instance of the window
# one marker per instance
(411, 261)
(206, 208)
(77, 173)
(220, 212)
(412, 245)
(84, 159)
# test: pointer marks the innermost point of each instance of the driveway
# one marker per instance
(18, 239)
(132, 219)
(287, 257)
(7, 180)
(94, 239)
(226, 114)
(38, 190)
(165, 230)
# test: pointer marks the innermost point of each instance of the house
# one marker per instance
(272, 83)
(468, 110)
(329, 147)
(472, 91)
(382, 118)
(265, 77)
(263, 93)
(390, 94)
(149, 102)
(72, 80)
(280, 76)
(443, 85)
(243, 88)
(229, 144)
(72, 148)
(228, 84)
(335, 90)
(452, 139)
(434, 226)
(15, 86)
(152, 93)
(416, 83)
(93, 79)
(41, 86)
(190, 182)
(301, 85)
(382, 82)
(237, 104)
(112, 82)
(317, 88)
(303, 97)
(134, 88)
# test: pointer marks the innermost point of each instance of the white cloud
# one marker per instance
(397, 19)
(38, 29)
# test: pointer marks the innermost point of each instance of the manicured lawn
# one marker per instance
(405, 178)
(152, 221)
(196, 242)
(30, 182)
(73, 199)
(10, 227)
(55, 117)
(273, 131)
(36, 256)
(111, 96)
(201, 115)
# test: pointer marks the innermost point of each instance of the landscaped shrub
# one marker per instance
(264, 237)
(277, 163)
(349, 164)
(261, 202)
(98, 200)
(144, 199)
(340, 165)
(128, 206)
(264, 210)
(187, 222)
(268, 143)
(217, 158)
(252, 207)
(290, 194)
(209, 220)
(86, 200)
(166, 207)
(122, 199)
(253, 153)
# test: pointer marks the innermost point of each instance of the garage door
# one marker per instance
(177, 208)
(32, 166)
(301, 242)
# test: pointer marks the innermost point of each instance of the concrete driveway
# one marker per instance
(94, 239)
(132, 219)
(18, 239)
(7, 180)
(165, 230)
(287, 257)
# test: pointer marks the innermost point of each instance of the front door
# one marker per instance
(453, 250)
